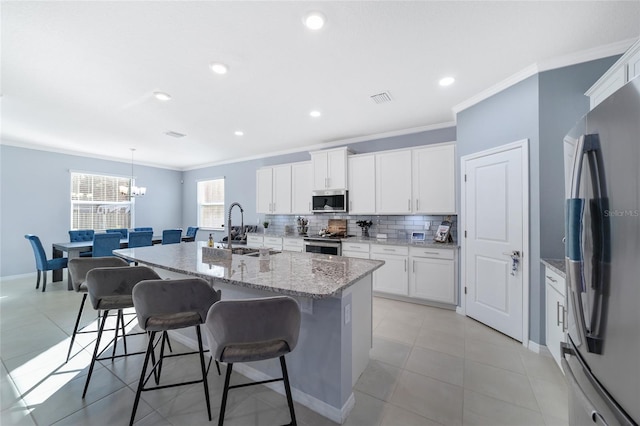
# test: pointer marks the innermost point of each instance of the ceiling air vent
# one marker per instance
(174, 134)
(381, 98)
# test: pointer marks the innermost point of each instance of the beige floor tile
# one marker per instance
(392, 330)
(441, 341)
(499, 383)
(552, 398)
(430, 398)
(395, 416)
(437, 365)
(390, 352)
(378, 380)
(498, 356)
(482, 409)
(16, 413)
(542, 366)
(366, 412)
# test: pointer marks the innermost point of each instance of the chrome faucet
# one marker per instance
(229, 223)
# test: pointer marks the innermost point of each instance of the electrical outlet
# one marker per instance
(427, 225)
(347, 314)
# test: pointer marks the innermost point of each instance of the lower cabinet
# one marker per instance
(255, 241)
(293, 244)
(357, 250)
(273, 243)
(393, 276)
(432, 275)
(556, 312)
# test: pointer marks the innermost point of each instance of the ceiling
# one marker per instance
(80, 76)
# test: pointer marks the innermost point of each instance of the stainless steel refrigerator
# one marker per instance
(602, 357)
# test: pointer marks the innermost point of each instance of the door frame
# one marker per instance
(526, 255)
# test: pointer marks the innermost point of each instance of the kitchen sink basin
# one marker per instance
(244, 250)
(258, 253)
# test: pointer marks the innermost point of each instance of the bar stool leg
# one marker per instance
(75, 328)
(223, 406)
(142, 375)
(96, 350)
(287, 389)
(204, 371)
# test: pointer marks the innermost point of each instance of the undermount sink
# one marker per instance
(258, 254)
(244, 250)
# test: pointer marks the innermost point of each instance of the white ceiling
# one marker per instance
(80, 76)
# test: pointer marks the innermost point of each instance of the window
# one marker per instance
(211, 203)
(97, 203)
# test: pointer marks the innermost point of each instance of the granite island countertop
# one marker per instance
(296, 274)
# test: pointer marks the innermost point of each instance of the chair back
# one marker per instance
(110, 288)
(79, 267)
(105, 244)
(171, 236)
(168, 298)
(38, 251)
(122, 231)
(250, 321)
(191, 231)
(81, 235)
(140, 239)
(147, 228)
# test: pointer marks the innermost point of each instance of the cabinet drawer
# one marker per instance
(254, 241)
(554, 280)
(384, 249)
(359, 247)
(292, 244)
(431, 252)
(273, 241)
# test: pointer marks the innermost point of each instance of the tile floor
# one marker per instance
(428, 366)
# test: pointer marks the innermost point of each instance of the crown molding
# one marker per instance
(587, 55)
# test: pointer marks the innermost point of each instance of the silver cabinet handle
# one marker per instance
(309, 205)
(409, 204)
(551, 279)
(558, 314)
(393, 250)
(350, 205)
(413, 267)
(405, 265)
(560, 308)
(417, 204)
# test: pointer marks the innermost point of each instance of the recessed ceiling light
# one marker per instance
(315, 113)
(314, 20)
(219, 68)
(162, 96)
(446, 81)
(238, 133)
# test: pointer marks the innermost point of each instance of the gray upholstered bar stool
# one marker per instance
(110, 289)
(78, 269)
(253, 330)
(163, 305)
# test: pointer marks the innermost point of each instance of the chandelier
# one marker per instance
(131, 190)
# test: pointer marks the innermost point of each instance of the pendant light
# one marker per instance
(133, 191)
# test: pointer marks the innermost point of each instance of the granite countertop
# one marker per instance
(556, 265)
(297, 274)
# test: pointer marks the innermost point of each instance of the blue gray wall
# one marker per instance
(35, 193)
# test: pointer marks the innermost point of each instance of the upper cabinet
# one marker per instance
(362, 184)
(329, 168)
(273, 189)
(393, 182)
(623, 71)
(301, 187)
(433, 182)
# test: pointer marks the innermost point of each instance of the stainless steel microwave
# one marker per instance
(330, 201)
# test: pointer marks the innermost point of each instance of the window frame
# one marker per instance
(199, 204)
(72, 203)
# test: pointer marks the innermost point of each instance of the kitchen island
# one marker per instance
(334, 294)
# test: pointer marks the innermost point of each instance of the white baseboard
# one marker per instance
(337, 415)
(460, 311)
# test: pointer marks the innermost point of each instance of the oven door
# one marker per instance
(323, 247)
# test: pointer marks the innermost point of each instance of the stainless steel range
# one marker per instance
(329, 239)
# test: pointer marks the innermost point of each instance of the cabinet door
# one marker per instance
(554, 321)
(393, 182)
(362, 184)
(337, 169)
(434, 180)
(356, 254)
(282, 189)
(320, 170)
(264, 195)
(432, 279)
(392, 277)
(301, 187)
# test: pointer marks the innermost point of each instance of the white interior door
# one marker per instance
(495, 197)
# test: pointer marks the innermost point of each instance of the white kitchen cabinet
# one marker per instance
(273, 189)
(254, 241)
(362, 184)
(556, 312)
(293, 244)
(432, 275)
(433, 180)
(357, 250)
(272, 242)
(620, 73)
(393, 276)
(301, 187)
(330, 168)
(393, 182)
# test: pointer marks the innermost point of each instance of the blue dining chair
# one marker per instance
(171, 236)
(105, 244)
(147, 228)
(191, 233)
(42, 264)
(82, 235)
(123, 231)
(140, 238)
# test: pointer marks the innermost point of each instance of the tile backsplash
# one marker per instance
(394, 226)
